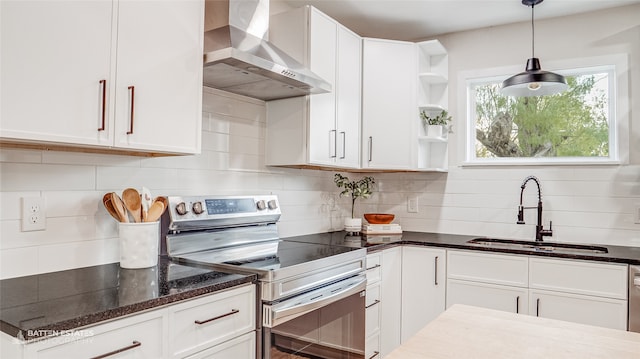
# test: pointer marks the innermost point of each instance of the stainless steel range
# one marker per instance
(311, 296)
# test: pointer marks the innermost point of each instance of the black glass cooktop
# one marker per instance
(267, 256)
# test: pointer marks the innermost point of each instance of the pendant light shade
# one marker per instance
(533, 81)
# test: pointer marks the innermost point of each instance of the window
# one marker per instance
(576, 126)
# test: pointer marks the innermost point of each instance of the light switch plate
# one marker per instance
(412, 205)
(636, 214)
(34, 217)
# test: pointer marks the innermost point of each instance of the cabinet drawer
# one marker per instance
(492, 296)
(603, 312)
(488, 268)
(374, 268)
(372, 347)
(204, 322)
(140, 335)
(581, 277)
(372, 309)
(240, 347)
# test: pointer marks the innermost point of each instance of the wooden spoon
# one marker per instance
(118, 206)
(155, 211)
(132, 201)
(106, 200)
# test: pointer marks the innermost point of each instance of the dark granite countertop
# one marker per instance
(37, 306)
(615, 254)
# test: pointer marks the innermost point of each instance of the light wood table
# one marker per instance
(470, 332)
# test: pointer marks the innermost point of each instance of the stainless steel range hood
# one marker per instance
(238, 58)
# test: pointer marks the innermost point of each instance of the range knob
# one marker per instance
(261, 205)
(181, 208)
(197, 208)
(272, 204)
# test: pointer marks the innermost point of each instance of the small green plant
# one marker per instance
(442, 118)
(361, 188)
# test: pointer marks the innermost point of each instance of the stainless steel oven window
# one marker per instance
(334, 331)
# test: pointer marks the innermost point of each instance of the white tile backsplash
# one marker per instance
(590, 204)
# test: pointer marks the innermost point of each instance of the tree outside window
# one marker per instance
(573, 124)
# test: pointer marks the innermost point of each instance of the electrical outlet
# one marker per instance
(412, 205)
(34, 217)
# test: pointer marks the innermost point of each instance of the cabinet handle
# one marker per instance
(333, 134)
(370, 148)
(233, 311)
(132, 89)
(517, 304)
(374, 267)
(538, 307)
(435, 279)
(344, 145)
(375, 354)
(372, 304)
(135, 344)
(104, 104)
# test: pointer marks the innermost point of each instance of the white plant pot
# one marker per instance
(353, 224)
(434, 130)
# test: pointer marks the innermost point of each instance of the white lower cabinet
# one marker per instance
(492, 296)
(577, 308)
(137, 337)
(221, 325)
(578, 291)
(201, 323)
(423, 287)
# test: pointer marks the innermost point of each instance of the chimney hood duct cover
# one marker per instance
(238, 61)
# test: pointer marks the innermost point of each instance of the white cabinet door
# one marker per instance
(348, 97)
(54, 56)
(388, 104)
(492, 296)
(323, 44)
(390, 300)
(604, 312)
(159, 75)
(423, 287)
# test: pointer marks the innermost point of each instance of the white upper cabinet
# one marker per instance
(78, 73)
(323, 129)
(389, 104)
(56, 61)
(159, 59)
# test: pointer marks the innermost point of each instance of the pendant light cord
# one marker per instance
(533, 34)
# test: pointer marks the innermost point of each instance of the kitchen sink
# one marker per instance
(546, 247)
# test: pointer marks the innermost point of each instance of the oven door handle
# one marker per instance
(276, 314)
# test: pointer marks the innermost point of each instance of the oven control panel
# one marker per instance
(197, 212)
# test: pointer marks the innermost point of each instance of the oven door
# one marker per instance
(325, 323)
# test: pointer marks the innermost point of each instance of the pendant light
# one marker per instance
(534, 81)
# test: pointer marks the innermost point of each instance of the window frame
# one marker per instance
(615, 65)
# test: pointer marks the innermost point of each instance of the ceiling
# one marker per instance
(419, 19)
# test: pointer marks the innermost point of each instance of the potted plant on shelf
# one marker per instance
(356, 189)
(436, 125)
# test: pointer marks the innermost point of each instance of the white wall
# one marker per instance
(587, 204)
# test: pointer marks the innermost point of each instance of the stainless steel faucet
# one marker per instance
(540, 231)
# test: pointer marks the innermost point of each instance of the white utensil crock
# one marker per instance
(139, 244)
